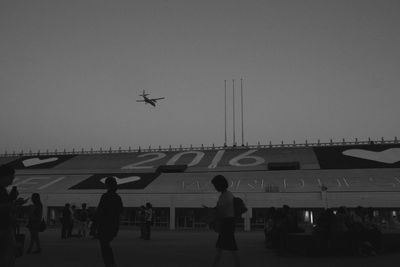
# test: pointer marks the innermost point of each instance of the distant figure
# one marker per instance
(270, 228)
(225, 221)
(34, 220)
(107, 219)
(142, 220)
(7, 238)
(149, 219)
(66, 221)
(83, 218)
(74, 220)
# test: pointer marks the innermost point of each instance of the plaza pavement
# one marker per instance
(179, 249)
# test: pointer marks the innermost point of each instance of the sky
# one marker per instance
(71, 72)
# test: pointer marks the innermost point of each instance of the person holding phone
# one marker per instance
(225, 221)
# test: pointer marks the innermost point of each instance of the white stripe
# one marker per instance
(51, 183)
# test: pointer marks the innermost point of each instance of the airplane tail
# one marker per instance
(144, 93)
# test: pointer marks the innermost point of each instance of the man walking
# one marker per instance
(107, 219)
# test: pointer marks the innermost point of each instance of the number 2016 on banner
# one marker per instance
(237, 161)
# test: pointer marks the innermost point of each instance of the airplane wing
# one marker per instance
(158, 98)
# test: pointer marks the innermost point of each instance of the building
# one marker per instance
(177, 181)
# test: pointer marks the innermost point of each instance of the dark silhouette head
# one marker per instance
(6, 175)
(111, 184)
(220, 183)
(36, 199)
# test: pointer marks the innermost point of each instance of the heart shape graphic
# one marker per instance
(390, 156)
(36, 161)
(122, 180)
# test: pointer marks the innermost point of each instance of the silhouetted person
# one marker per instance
(7, 235)
(324, 231)
(83, 218)
(148, 213)
(66, 221)
(74, 220)
(270, 228)
(107, 219)
(225, 221)
(142, 219)
(34, 221)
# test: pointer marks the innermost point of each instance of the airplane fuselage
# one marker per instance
(151, 102)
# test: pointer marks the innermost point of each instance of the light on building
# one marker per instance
(307, 216)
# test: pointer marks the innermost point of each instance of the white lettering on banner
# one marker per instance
(379, 183)
(256, 184)
(246, 155)
(300, 184)
(312, 184)
(234, 185)
(136, 165)
(199, 156)
(197, 186)
(237, 161)
(345, 182)
(217, 158)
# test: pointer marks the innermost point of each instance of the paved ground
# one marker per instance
(178, 249)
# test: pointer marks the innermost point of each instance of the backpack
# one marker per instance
(239, 207)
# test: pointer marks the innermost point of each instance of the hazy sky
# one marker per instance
(71, 71)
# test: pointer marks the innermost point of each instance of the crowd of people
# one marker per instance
(354, 231)
(103, 224)
(72, 217)
(336, 231)
(105, 220)
(280, 223)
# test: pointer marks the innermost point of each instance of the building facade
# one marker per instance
(177, 182)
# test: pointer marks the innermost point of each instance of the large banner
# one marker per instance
(124, 180)
(358, 157)
(39, 162)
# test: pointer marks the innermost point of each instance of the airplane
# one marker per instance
(146, 100)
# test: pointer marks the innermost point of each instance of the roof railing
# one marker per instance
(91, 151)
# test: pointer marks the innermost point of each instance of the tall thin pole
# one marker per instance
(241, 92)
(233, 93)
(225, 116)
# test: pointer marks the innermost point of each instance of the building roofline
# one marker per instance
(202, 147)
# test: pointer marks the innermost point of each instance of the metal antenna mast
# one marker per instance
(225, 143)
(233, 92)
(241, 91)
